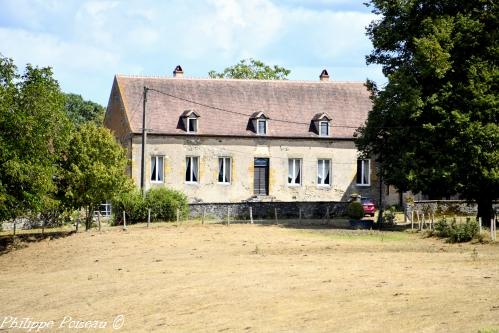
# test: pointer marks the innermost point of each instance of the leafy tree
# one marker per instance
(252, 69)
(434, 127)
(81, 111)
(94, 169)
(34, 130)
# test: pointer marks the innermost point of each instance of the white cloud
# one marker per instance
(92, 40)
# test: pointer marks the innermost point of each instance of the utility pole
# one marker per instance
(144, 139)
(380, 213)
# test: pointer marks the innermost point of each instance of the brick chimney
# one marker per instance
(324, 75)
(178, 72)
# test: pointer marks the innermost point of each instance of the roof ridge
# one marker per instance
(159, 77)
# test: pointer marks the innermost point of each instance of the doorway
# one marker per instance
(261, 184)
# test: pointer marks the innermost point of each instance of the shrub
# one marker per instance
(456, 233)
(389, 216)
(133, 204)
(165, 202)
(355, 210)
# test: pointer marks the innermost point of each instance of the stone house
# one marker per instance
(227, 140)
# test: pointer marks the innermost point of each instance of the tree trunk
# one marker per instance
(485, 210)
(88, 220)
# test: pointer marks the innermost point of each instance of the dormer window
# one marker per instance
(321, 123)
(260, 123)
(324, 128)
(190, 120)
(262, 127)
(192, 125)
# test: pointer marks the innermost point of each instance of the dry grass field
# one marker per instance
(253, 278)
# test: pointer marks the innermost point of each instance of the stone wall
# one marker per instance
(266, 210)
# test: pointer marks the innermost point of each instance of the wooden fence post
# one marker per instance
(275, 214)
(178, 215)
(228, 216)
(148, 216)
(14, 231)
(77, 223)
(124, 220)
(479, 225)
(412, 220)
(98, 219)
(251, 214)
(204, 215)
(43, 227)
(493, 229)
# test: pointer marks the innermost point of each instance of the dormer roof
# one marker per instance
(190, 114)
(322, 116)
(259, 115)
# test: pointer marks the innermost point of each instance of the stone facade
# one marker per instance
(243, 151)
(207, 119)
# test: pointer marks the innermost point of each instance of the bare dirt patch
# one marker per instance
(252, 278)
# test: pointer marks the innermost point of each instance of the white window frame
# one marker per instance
(225, 160)
(258, 126)
(158, 170)
(196, 127)
(192, 158)
(320, 128)
(362, 166)
(300, 163)
(323, 173)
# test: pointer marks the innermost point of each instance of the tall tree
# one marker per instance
(81, 111)
(435, 125)
(252, 69)
(94, 169)
(33, 131)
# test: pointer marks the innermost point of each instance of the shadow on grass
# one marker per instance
(314, 224)
(9, 242)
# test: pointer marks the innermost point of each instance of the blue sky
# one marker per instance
(88, 42)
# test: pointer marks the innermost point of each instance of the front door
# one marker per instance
(261, 185)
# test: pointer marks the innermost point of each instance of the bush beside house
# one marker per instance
(163, 203)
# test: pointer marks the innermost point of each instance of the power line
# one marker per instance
(249, 115)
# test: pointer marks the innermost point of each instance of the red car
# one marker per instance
(368, 205)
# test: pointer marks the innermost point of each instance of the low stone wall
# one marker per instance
(266, 210)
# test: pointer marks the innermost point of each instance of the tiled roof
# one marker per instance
(225, 106)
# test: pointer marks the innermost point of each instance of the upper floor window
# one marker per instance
(322, 123)
(224, 169)
(190, 120)
(192, 169)
(323, 172)
(294, 171)
(192, 125)
(262, 127)
(260, 123)
(363, 172)
(157, 169)
(324, 128)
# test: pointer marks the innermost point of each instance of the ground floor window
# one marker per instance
(294, 171)
(224, 170)
(192, 169)
(363, 172)
(157, 169)
(323, 172)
